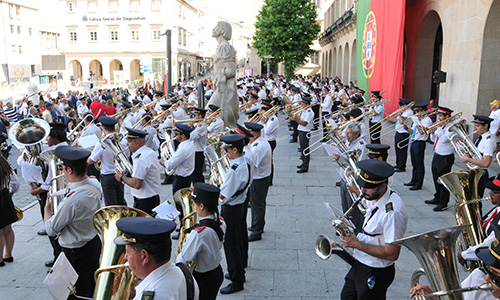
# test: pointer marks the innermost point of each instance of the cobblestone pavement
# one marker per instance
(283, 265)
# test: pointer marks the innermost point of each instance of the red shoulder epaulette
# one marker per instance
(71, 193)
(199, 229)
(221, 218)
(92, 176)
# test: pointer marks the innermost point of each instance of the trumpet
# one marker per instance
(299, 111)
(438, 124)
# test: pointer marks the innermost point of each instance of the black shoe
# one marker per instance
(42, 232)
(409, 184)
(302, 171)
(337, 183)
(398, 170)
(440, 208)
(229, 278)
(164, 182)
(415, 188)
(299, 167)
(175, 236)
(432, 201)
(230, 288)
(49, 263)
(290, 141)
(254, 237)
(2, 264)
(8, 259)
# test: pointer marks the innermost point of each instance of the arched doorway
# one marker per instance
(489, 81)
(114, 65)
(353, 61)
(135, 70)
(96, 67)
(334, 63)
(345, 71)
(75, 71)
(428, 59)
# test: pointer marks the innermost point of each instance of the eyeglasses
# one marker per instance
(495, 278)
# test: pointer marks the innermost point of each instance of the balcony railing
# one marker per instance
(346, 18)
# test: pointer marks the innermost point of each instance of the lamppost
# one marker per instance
(168, 34)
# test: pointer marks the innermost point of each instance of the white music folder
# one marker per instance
(61, 278)
(88, 142)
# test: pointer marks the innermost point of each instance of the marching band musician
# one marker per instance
(326, 109)
(136, 116)
(402, 134)
(126, 121)
(144, 181)
(178, 113)
(113, 190)
(355, 113)
(443, 159)
(295, 101)
(305, 124)
(217, 126)
(257, 192)
(385, 221)
(204, 244)
(233, 194)
(486, 145)
(166, 121)
(270, 132)
(152, 141)
(377, 112)
(148, 249)
(90, 126)
(199, 138)
(417, 142)
(191, 98)
(73, 221)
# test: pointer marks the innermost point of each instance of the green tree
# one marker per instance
(286, 29)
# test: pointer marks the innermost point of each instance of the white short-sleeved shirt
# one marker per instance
(146, 167)
(182, 162)
(307, 116)
(199, 136)
(215, 127)
(487, 145)
(270, 130)
(237, 177)
(385, 221)
(442, 144)
(416, 135)
(261, 158)
(406, 114)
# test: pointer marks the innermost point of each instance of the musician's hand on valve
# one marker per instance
(420, 290)
(461, 260)
(118, 176)
(336, 156)
(352, 188)
(349, 241)
(464, 158)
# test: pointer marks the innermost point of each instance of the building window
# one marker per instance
(71, 6)
(18, 29)
(93, 36)
(113, 35)
(315, 58)
(20, 49)
(134, 5)
(134, 35)
(72, 36)
(91, 6)
(12, 28)
(156, 34)
(113, 5)
(179, 37)
(30, 31)
(184, 37)
(14, 49)
(11, 11)
(155, 5)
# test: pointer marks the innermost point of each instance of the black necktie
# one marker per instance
(478, 140)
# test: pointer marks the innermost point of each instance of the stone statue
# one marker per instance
(224, 80)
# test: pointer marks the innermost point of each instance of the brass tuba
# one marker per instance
(112, 144)
(114, 279)
(463, 145)
(463, 185)
(181, 197)
(57, 180)
(167, 149)
(219, 163)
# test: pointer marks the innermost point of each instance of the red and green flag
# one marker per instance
(380, 47)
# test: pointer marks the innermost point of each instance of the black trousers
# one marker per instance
(92, 171)
(112, 190)
(85, 261)
(357, 218)
(316, 112)
(356, 282)
(233, 242)
(56, 248)
(480, 185)
(375, 128)
(441, 164)
(303, 144)
(324, 116)
(273, 146)
(417, 156)
(401, 154)
(257, 193)
(199, 165)
(295, 132)
(209, 283)
(147, 204)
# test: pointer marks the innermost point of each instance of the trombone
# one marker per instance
(161, 114)
(438, 124)
(416, 119)
(132, 109)
(393, 114)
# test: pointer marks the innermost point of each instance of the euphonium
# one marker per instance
(181, 197)
(435, 252)
(215, 138)
(112, 144)
(219, 163)
(167, 149)
(463, 185)
(114, 279)
(463, 145)
(57, 180)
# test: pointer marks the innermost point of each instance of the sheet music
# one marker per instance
(61, 278)
(31, 173)
(331, 149)
(88, 142)
(166, 211)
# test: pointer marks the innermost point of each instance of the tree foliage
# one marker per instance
(286, 29)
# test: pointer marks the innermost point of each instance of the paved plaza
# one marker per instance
(283, 265)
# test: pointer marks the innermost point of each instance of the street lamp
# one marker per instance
(168, 33)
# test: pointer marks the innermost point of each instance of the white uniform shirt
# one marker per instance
(326, 105)
(106, 156)
(270, 130)
(416, 135)
(388, 223)
(495, 115)
(73, 220)
(399, 126)
(442, 144)
(192, 98)
(237, 178)
(167, 282)
(82, 109)
(358, 144)
(215, 127)
(92, 129)
(152, 141)
(182, 162)
(199, 136)
(379, 110)
(261, 151)
(487, 145)
(307, 116)
(204, 247)
(179, 114)
(470, 253)
(145, 166)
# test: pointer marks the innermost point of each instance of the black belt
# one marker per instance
(182, 176)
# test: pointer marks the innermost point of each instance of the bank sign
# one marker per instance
(112, 19)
